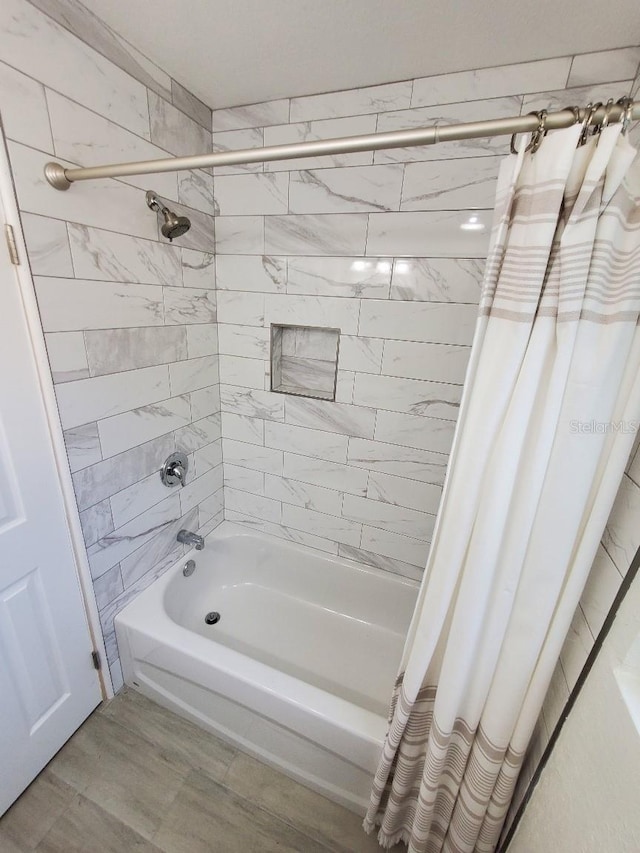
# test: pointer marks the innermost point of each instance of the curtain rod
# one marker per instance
(61, 178)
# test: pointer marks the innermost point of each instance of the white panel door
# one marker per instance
(48, 684)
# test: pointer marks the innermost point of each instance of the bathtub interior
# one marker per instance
(329, 622)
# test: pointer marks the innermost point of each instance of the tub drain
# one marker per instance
(212, 618)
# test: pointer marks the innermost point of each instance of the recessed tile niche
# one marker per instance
(304, 361)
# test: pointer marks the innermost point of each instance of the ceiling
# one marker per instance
(232, 52)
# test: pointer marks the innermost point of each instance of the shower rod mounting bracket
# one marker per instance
(55, 174)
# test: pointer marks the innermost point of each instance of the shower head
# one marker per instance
(173, 226)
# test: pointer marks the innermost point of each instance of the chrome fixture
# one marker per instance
(212, 618)
(173, 225)
(626, 110)
(174, 470)
(186, 537)
(189, 568)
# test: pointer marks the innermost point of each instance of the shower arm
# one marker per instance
(61, 178)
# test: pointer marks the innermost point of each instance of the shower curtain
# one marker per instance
(547, 422)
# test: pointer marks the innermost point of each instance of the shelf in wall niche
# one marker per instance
(304, 360)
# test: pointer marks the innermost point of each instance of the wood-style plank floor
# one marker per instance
(136, 777)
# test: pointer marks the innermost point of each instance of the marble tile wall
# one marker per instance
(129, 319)
(372, 244)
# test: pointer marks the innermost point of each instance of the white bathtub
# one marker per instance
(300, 667)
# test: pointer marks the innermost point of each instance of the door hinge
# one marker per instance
(11, 244)
(97, 663)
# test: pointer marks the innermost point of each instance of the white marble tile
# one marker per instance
(312, 131)
(590, 68)
(414, 431)
(174, 131)
(633, 469)
(389, 517)
(380, 561)
(135, 533)
(96, 522)
(556, 698)
(137, 498)
(189, 104)
(202, 339)
(198, 269)
(263, 274)
(83, 446)
(47, 245)
(208, 457)
(302, 494)
(149, 562)
(189, 305)
(193, 374)
(247, 341)
(77, 18)
(253, 505)
(102, 479)
(103, 204)
(361, 354)
(404, 492)
(307, 442)
(211, 512)
(246, 455)
(491, 82)
(413, 396)
(283, 532)
(104, 396)
(84, 137)
(389, 544)
(243, 428)
(409, 462)
(245, 372)
(622, 534)
(67, 305)
(253, 194)
(78, 71)
(115, 350)
(330, 475)
(240, 235)
(67, 356)
(333, 417)
(436, 233)
(241, 308)
(117, 678)
(205, 402)
(254, 404)
(252, 115)
(200, 488)
(236, 477)
(428, 322)
(351, 102)
(108, 256)
(322, 234)
(195, 190)
(438, 362)
(107, 588)
(601, 588)
(329, 526)
(450, 185)
(24, 109)
(350, 277)
(437, 279)
(199, 434)
(237, 140)
(352, 189)
(324, 311)
(577, 646)
(344, 386)
(581, 95)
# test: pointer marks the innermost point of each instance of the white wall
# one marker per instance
(587, 798)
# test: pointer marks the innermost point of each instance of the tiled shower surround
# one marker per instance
(388, 247)
(129, 319)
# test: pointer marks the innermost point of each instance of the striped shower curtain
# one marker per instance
(548, 418)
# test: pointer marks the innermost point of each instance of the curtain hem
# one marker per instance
(384, 839)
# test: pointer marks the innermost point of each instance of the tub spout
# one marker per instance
(186, 537)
